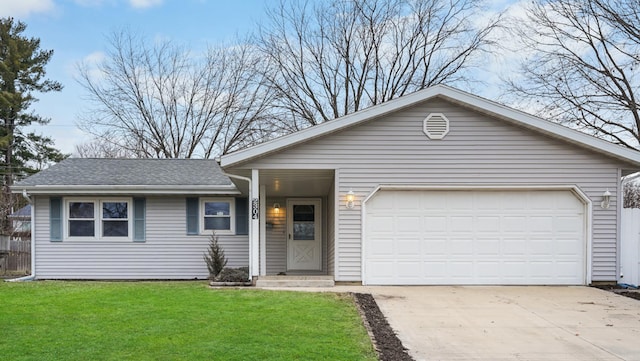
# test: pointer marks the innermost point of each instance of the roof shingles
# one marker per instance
(130, 172)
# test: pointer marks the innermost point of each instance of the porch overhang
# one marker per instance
(289, 183)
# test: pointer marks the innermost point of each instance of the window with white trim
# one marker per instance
(81, 219)
(115, 219)
(217, 214)
(102, 218)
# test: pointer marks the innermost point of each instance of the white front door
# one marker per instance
(304, 234)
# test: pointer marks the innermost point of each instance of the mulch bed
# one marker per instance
(635, 294)
(385, 340)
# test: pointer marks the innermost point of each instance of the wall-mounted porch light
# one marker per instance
(350, 199)
(276, 207)
(606, 197)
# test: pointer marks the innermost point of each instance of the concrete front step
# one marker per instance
(295, 281)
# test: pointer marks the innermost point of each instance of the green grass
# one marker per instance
(175, 321)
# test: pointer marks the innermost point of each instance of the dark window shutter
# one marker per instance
(55, 219)
(139, 213)
(242, 216)
(192, 216)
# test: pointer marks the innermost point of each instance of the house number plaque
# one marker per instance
(255, 208)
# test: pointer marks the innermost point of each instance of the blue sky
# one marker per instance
(77, 30)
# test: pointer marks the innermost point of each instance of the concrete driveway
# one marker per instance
(511, 323)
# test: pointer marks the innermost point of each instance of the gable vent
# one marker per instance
(435, 126)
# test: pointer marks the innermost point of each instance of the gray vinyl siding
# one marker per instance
(167, 253)
(479, 150)
(276, 237)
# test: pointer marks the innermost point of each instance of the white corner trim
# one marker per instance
(586, 201)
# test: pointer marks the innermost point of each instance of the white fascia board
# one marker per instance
(457, 96)
(106, 189)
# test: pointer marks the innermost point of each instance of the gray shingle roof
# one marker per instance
(130, 172)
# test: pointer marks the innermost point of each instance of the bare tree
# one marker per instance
(103, 148)
(161, 101)
(583, 65)
(331, 58)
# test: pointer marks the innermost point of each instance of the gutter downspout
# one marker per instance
(32, 276)
(251, 241)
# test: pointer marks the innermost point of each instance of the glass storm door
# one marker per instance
(304, 234)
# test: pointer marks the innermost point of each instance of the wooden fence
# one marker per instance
(15, 257)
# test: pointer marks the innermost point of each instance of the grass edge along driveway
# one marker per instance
(50, 320)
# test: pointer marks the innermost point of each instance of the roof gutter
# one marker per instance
(32, 276)
(120, 189)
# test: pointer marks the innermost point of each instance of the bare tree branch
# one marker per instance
(162, 101)
(583, 67)
(336, 57)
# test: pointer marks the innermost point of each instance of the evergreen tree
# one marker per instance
(22, 72)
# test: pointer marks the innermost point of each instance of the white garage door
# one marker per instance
(474, 237)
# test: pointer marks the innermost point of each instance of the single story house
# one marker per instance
(436, 187)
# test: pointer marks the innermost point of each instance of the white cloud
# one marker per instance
(24, 8)
(95, 58)
(138, 4)
(89, 3)
(142, 4)
(89, 64)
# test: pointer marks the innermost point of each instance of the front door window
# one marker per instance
(303, 222)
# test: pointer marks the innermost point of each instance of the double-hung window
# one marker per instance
(218, 214)
(98, 218)
(115, 219)
(82, 219)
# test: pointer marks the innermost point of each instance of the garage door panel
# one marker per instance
(514, 247)
(458, 202)
(435, 247)
(514, 223)
(475, 237)
(540, 224)
(379, 223)
(487, 224)
(460, 224)
(461, 247)
(408, 224)
(566, 247)
(408, 247)
(435, 223)
(487, 247)
(540, 247)
(487, 270)
(567, 224)
(407, 269)
(381, 247)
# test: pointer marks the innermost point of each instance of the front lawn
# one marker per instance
(175, 321)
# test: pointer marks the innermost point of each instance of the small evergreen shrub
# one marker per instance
(229, 274)
(214, 257)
